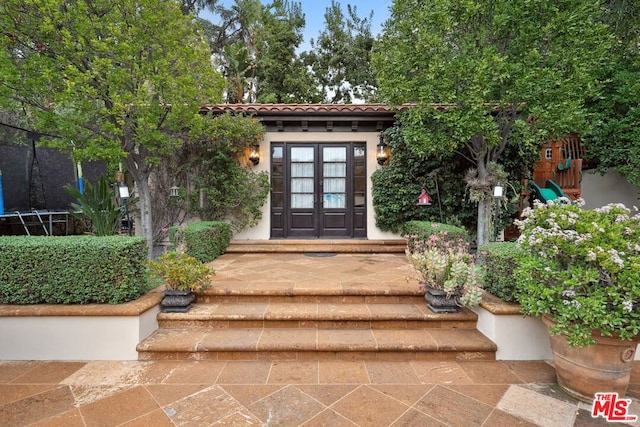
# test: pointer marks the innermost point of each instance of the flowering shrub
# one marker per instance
(446, 265)
(582, 268)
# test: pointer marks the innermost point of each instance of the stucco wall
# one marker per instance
(599, 190)
(262, 230)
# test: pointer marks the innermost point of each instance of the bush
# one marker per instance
(181, 272)
(203, 240)
(419, 232)
(72, 269)
(499, 260)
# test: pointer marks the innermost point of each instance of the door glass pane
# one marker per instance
(301, 154)
(302, 185)
(302, 178)
(334, 154)
(359, 176)
(334, 200)
(277, 177)
(334, 169)
(302, 201)
(334, 183)
(302, 170)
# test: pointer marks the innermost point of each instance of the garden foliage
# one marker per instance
(582, 268)
(72, 269)
(499, 260)
(203, 240)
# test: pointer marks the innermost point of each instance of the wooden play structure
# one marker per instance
(558, 173)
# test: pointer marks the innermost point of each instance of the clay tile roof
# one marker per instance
(299, 108)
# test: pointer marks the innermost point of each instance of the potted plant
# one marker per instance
(581, 272)
(182, 275)
(446, 272)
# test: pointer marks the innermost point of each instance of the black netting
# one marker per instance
(16, 164)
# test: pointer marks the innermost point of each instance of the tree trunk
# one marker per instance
(484, 221)
(144, 201)
(140, 174)
(484, 205)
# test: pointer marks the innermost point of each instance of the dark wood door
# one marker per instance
(318, 190)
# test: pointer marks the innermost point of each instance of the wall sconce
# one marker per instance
(254, 157)
(382, 155)
(498, 191)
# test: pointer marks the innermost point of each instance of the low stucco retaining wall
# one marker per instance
(77, 332)
(518, 337)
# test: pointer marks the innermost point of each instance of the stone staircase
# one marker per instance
(314, 305)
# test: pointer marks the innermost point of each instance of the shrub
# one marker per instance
(203, 240)
(181, 272)
(419, 233)
(582, 268)
(98, 205)
(499, 260)
(72, 269)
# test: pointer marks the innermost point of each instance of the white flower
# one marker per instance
(628, 305)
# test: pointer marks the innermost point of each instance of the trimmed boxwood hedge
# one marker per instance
(203, 240)
(499, 260)
(423, 230)
(72, 269)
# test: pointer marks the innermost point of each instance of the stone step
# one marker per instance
(318, 247)
(295, 287)
(312, 315)
(316, 344)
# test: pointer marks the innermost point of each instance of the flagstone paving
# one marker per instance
(291, 393)
(324, 392)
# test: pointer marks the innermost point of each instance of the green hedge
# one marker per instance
(499, 260)
(72, 269)
(203, 240)
(422, 231)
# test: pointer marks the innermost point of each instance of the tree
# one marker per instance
(615, 140)
(280, 75)
(341, 55)
(232, 42)
(122, 81)
(219, 184)
(485, 74)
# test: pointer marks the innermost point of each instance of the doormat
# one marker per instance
(320, 254)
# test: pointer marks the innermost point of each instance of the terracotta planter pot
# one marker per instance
(584, 371)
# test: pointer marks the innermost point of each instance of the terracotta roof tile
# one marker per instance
(300, 108)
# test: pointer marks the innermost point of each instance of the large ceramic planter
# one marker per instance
(175, 301)
(439, 302)
(584, 371)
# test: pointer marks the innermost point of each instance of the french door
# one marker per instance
(318, 190)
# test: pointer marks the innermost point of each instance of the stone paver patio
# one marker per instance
(293, 392)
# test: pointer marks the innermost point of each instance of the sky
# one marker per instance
(314, 15)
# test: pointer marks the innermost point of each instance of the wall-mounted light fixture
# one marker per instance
(498, 191)
(381, 153)
(254, 157)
